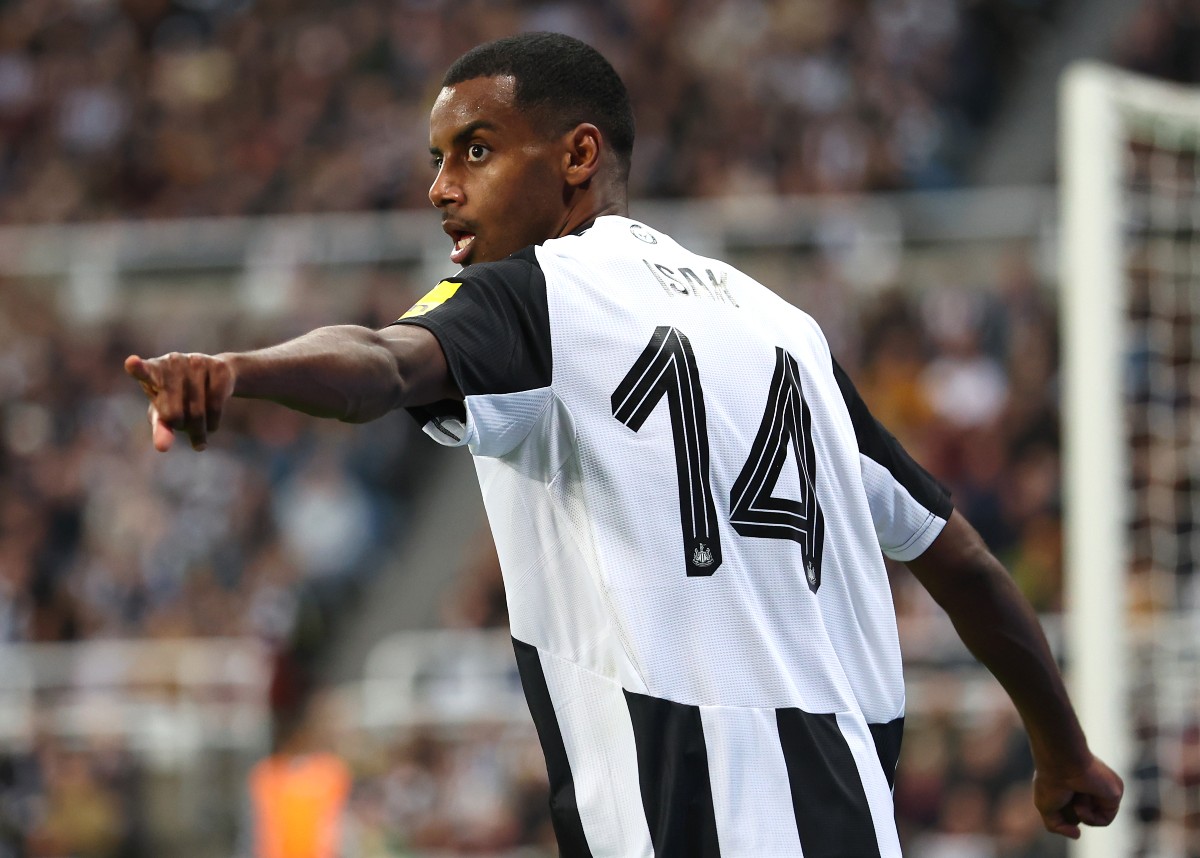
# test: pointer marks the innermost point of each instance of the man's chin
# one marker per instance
(477, 255)
(474, 255)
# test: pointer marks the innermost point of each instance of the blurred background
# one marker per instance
(201, 175)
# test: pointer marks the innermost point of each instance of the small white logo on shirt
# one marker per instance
(642, 234)
(702, 556)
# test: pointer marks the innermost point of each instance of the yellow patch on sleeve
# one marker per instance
(437, 296)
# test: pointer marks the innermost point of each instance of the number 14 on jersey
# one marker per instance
(667, 367)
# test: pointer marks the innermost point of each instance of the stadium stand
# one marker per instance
(169, 109)
(153, 109)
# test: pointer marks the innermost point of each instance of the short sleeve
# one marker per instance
(492, 322)
(908, 506)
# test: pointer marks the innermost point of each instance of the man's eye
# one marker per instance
(476, 152)
(436, 162)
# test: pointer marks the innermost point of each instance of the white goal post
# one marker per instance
(1130, 279)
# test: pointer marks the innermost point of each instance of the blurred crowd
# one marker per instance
(477, 790)
(271, 534)
(114, 109)
(1163, 40)
(100, 538)
(56, 799)
(168, 108)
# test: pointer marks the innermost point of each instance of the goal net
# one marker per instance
(1130, 167)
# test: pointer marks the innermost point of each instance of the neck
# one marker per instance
(591, 205)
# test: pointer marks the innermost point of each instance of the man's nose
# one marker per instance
(445, 190)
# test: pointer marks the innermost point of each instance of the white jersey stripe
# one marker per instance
(746, 765)
(598, 735)
(564, 807)
(874, 781)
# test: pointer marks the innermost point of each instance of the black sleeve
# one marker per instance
(878, 444)
(494, 326)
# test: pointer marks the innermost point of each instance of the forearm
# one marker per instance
(1002, 631)
(1000, 628)
(344, 372)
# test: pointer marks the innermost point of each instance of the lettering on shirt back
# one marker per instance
(684, 282)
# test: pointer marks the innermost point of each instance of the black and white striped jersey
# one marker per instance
(691, 506)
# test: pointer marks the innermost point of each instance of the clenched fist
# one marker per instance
(187, 393)
(1090, 796)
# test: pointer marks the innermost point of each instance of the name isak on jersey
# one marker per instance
(686, 282)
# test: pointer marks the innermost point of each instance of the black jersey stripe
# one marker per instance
(564, 807)
(673, 773)
(887, 738)
(833, 816)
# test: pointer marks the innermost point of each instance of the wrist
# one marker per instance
(235, 364)
(1061, 758)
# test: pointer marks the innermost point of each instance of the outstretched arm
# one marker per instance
(346, 372)
(999, 626)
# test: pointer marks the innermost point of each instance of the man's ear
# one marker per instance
(582, 158)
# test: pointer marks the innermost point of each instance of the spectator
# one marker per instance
(170, 109)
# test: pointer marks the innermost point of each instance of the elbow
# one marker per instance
(409, 369)
(400, 389)
(370, 408)
(389, 390)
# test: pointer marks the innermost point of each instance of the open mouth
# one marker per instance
(462, 245)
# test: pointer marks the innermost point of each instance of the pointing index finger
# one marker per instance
(138, 369)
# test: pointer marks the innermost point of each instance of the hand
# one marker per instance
(187, 392)
(1090, 796)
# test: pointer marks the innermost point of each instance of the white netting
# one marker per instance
(1160, 196)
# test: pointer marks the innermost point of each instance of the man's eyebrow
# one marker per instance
(466, 133)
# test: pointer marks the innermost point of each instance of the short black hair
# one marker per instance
(564, 80)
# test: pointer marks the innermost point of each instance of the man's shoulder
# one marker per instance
(606, 234)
